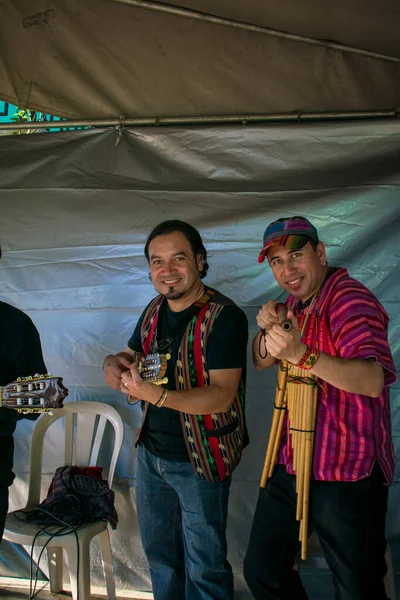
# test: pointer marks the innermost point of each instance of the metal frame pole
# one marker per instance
(206, 120)
(200, 16)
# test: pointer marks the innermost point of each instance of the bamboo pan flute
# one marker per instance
(296, 396)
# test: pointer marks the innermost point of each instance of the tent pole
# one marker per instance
(200, 16)
(122, 122)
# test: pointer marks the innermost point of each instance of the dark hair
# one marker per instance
(313, 243)
(190, 233)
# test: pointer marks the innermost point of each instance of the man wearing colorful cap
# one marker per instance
(339, 335)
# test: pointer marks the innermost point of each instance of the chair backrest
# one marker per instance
(84, 427)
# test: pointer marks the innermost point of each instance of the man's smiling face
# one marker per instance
(175, 270)
(299, 272)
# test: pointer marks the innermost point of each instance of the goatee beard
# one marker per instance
(172, 295)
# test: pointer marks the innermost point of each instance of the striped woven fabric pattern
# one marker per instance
(213, 456)
(352, 430)
(214, 441)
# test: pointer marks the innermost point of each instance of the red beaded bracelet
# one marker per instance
(309, 358)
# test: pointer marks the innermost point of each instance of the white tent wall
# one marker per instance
(76, 208)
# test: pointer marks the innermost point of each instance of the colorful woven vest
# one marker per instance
(214, 442)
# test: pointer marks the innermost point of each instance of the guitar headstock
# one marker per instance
(153, 367)
(34, 394)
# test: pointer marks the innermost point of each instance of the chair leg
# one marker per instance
(55, 562)
(79, 571)
(106, 559)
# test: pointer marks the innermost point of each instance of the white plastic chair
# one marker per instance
(85, 423)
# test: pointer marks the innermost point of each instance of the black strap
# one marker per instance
(165, 344)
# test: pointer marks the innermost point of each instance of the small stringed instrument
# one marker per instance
(152, 369)
(35, 394)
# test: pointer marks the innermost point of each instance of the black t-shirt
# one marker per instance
(20, 356)
(226, 349)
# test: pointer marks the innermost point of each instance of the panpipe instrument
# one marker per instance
(296, 397)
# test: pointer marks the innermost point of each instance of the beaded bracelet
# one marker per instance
(162, 398)
(309, 358)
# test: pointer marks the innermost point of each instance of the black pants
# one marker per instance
(349, 520)
(6, 476)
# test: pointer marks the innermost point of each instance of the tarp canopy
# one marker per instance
(105, 58)
(76, 208)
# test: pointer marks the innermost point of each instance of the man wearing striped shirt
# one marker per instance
(340, 334)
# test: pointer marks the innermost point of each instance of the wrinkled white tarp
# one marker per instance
(75, 213)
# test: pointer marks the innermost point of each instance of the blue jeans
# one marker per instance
(182, 521)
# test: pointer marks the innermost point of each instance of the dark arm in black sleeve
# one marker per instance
(27, 360)
(227, 344)
(30, 358)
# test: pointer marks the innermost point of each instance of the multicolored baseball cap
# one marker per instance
(291, 232)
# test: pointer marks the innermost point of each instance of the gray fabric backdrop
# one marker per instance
(75, 212)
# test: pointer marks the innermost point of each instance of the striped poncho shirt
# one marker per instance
(352, 430)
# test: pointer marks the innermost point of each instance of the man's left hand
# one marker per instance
(285, 345)
(133, 384)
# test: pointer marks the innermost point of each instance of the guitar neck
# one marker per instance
(23, 405)
(35, 394)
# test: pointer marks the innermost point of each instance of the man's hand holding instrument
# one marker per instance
(296, 395)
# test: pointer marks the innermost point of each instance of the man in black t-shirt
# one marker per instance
(20, 356)
(162, 429)
(193, 430)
